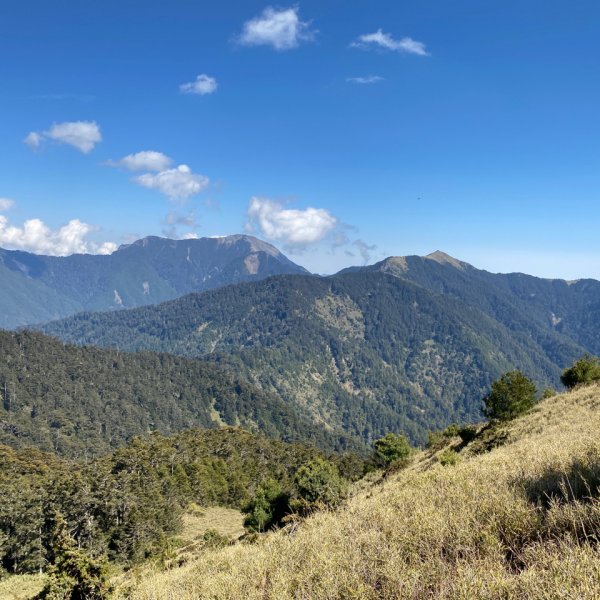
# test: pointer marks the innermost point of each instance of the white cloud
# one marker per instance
(386, 41)
(178, 183)
(294, 228)
(83, 135)
(281, 29)
(202, 86)
(106, 248)
(365, 80)
(36, 236)
(6, 204)
(33, 140)
(147, 160)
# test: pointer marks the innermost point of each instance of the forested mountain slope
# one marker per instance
(523, 303)
(408, 345)
(82, 402)
(36, 288)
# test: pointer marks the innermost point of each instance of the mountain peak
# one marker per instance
(445, 259)
(218, 240)
(255, 244)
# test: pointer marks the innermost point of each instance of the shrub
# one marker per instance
(468, 433)
(213, 539)
(392, 449)
(436, 440)
(448, 457)
(73, 574)
(585, 370)
(451, 431)
(318, 483)
(511, 395)
(267, 508)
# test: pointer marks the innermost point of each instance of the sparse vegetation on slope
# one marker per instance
(583, 371)
(521, 521)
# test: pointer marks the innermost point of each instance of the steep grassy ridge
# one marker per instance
(522, 521)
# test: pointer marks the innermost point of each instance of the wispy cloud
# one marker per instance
(33, 140)
(35, 236)
(365, 250)
(295, 228)
(146, 160)
(178, 183)
(365, 80)
(83, 135)
(387, 42)
(281, 29)
(202, 86)
(173, 221)
(6, 204)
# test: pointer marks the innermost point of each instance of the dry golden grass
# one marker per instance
(517, 522)
(226, 521)
(21, 587)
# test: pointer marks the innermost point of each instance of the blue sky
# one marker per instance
(341, 131)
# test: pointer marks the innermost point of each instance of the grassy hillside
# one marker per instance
(84, 402)
(366, 351)
(520, 521)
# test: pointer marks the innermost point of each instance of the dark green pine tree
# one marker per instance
(511, 395)
(73, 575)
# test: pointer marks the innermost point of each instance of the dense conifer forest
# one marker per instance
(83, 402)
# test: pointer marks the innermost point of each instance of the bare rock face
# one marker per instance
(36, 288)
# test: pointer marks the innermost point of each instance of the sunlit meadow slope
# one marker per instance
(519, 521)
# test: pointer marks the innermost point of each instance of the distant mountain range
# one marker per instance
(35, 288)
(409, 344)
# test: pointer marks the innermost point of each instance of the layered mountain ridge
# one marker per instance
(85, 402)
(408, 344)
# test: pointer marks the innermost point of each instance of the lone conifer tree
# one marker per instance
(511, 395)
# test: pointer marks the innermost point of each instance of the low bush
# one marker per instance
(392, 449)
(448, 457)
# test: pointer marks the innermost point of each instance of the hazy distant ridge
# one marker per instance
(36, 288)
